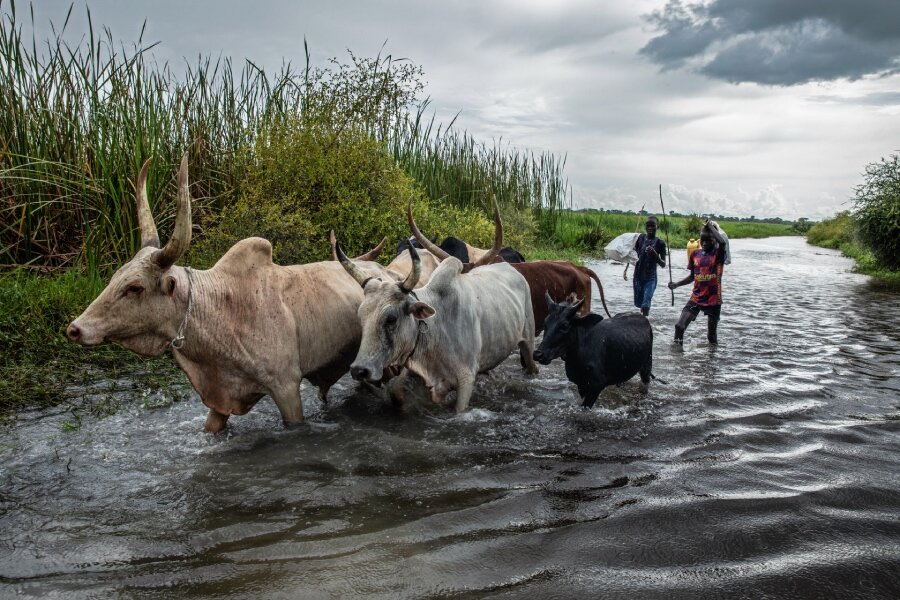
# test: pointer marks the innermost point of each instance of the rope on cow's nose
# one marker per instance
(178, 341)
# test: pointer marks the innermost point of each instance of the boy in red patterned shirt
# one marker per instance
(706, 267)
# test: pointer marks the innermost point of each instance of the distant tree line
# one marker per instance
(802, 224)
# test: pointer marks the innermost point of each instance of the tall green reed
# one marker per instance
(453, 166)
(76, 122)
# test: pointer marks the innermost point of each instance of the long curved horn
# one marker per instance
(149, 235)
(374, 252)
(355, 272)
(181, 235)
(409, 284)
(424, 241)
(491, 254)
(333, 239)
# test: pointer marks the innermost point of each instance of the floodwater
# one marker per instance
(767, 467)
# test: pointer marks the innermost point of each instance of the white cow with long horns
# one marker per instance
(447, 331)
(240, 330)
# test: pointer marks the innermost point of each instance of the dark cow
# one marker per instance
(511, 255)
(597, 352)
(455, 247)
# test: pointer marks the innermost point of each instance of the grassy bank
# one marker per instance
(38, 367)
(840, 233)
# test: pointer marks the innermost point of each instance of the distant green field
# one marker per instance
(590, 231)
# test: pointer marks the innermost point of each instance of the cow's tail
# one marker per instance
(662, 381)
(596, 279)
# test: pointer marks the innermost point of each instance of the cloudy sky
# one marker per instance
(738, 107)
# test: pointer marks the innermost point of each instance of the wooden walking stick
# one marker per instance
(669, 248)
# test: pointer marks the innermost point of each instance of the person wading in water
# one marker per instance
(706, 265)
(651, 253)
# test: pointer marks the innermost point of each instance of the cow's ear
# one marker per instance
(420, 310)
(588, 320)
(168, 285)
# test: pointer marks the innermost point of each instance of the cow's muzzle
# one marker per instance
(541, 357)
(361, 373)
(73, 332)
(85, 336)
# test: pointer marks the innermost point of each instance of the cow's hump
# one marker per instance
(248, 254)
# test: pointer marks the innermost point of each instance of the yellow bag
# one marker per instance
(691, 246)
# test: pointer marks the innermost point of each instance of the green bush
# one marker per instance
(306, 180)
(877, 210)
(832, 233)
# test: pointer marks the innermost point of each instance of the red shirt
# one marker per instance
(707, 270)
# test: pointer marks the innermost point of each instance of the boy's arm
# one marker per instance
(685, 281)
(720, 254)
(661, 257)
(713, 228)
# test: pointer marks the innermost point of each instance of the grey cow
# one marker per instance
(446, 332)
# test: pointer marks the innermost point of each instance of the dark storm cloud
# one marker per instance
(774, 42)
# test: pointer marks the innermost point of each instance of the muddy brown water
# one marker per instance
(768, 467)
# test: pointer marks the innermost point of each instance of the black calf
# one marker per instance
(598, 353)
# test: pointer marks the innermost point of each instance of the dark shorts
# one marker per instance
(709, 311)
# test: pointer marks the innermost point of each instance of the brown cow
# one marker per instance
(240, 330)
(559, 279)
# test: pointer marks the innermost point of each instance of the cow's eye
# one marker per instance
(134, 289)
(390, 320)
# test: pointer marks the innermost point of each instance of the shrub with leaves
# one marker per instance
(832, 233)
(877, 210)
(305, 180)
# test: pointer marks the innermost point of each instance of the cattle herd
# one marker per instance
(436, 315)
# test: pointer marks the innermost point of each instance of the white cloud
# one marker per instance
(566, 78)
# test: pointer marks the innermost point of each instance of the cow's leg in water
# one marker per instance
(645, 372)
(439, 393)
(526, 357)
(592, 392)
(464, 391)
(215, 422)
(287, 398)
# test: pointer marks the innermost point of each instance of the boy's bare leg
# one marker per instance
(686, 317)
(712, 325)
